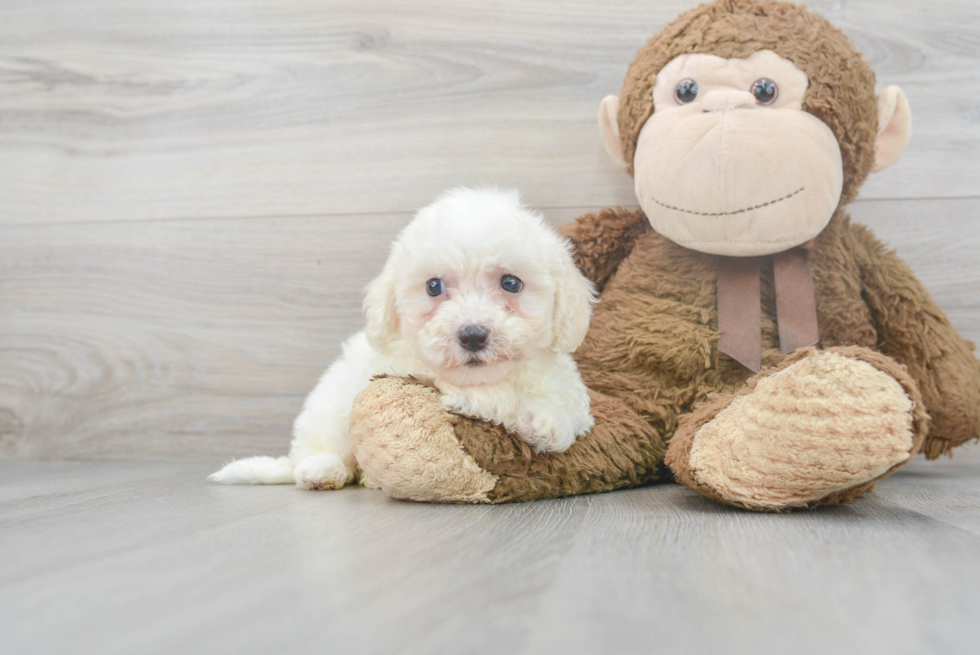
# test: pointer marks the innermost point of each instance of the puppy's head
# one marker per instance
(476, 283)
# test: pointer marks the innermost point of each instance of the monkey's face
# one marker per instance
(729, 163)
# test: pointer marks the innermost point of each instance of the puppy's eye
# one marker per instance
(511, 284)
(435, 287)
(686, 91)
(765, 91)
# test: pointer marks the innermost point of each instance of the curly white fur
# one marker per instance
(524, 377)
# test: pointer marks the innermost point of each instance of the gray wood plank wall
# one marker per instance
(194, 192)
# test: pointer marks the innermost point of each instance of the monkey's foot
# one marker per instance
(821, 428)
(405, 443)
(409, 445)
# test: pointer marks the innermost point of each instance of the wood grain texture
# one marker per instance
(200, 339)
(151, 339)
(121, 110)
(148, 558)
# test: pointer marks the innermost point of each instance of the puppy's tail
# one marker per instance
(255, 470)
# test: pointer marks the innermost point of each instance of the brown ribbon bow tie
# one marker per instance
(740, 304)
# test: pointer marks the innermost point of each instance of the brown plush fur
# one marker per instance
(912, 329)
(653, 335)
(426, 454)
(622, 451)
(651, 352)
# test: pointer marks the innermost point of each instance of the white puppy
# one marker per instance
(479, 297)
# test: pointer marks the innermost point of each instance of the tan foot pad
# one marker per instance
(419, 456)
(824, 424)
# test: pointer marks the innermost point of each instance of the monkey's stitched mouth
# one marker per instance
(731, 213)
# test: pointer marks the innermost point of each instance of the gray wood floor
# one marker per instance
(193, 194)
(144, 557)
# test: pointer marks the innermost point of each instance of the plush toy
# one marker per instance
(771, 353)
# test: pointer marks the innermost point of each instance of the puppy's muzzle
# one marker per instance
(474, 337)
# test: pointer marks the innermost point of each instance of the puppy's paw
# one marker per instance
(550, 432)
(454, 403)
(465, 404)
(469, 404)
(323, 471)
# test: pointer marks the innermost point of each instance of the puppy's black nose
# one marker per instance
(474, 337)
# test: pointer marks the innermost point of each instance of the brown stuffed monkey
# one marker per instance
(773, 354)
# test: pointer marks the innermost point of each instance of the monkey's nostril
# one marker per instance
(474, 337)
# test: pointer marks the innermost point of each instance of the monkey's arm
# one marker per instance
(914, 330)
(603, 239)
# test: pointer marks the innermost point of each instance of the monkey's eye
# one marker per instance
(435, 287)
(511, 284)
(686, 91)
(765, 91)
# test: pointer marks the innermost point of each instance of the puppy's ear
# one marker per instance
(574, 297)
(380, 310)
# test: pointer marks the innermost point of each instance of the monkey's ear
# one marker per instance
(894, 127)
(609, 127)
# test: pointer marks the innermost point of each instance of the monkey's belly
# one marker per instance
(670, 340)
(658, 355)
(653, 339)
(654, 330)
